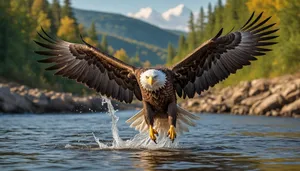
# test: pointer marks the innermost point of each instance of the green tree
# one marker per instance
(181, 46)
(192, 33)
(55, 16)
(287, 54)
(200, 25)
(209, 30)
(135, 61)
(67, 10)
(104, 44)
(92, 32)
(219, 12)
(171, 54)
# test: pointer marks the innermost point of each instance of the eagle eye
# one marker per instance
(147, 77)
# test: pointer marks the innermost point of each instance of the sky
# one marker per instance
(129, 6)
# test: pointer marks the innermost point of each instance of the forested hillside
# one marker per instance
(146, 52)
(122, 26)
(285, 55)
(21, 19)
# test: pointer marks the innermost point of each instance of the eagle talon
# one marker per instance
(172, 133)
(152, 133)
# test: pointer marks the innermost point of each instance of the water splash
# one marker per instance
(141, 140)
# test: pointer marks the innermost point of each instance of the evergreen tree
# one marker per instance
(181, 46)
(135, 61)
(192, 33)
(219, 12)
(55, 16)
(287, 54)
(171, 53)
(200, 25)
(209, 31)
(92, 32)
(91, 36)
(104, 44)
(67, 10)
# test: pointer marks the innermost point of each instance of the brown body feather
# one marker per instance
(160, 99)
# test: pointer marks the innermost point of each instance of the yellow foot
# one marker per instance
(172, 133)
(152, 133)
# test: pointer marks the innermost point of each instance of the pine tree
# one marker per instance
(200, 25)
(92, 37)
(135, 61)
(219, 12)
(181, 46)
(209, 31)
(92, 32)
(192, 33)
(67, 10)
(104, 44)
(55, 16)
(171, 53)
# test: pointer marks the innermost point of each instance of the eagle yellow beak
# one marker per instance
(150, 80)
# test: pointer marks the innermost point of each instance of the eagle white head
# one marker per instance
(153, 79)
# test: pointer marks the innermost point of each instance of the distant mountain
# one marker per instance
(175, 18)
(127, 27)
(148, 52)
(178, 32)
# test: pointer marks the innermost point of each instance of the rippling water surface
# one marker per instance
(218, 142)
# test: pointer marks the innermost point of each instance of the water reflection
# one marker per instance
(190, 159)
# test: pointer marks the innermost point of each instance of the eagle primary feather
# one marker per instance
(209, 64)
(98, 70)
(221, 56)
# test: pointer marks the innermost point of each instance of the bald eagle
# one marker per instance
(158, 87)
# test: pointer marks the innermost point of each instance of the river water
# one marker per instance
(218, 142)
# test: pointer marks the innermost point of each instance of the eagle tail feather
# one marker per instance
(184, 120)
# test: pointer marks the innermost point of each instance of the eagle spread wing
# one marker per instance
(220, 56)
(106, 74)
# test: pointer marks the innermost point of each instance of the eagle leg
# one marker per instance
(172, 133)
(172, 117)
(149, 117)
(152, 133)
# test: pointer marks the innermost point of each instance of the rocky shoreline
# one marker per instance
(21, 99)
(270, 97)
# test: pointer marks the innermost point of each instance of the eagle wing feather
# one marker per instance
(221, 56)
(84, 63)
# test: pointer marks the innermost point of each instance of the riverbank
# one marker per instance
(279, 96)
(22, 99)
(271, 97)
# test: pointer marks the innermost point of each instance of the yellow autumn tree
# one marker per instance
(147, 64)
(270, 7)
(122, 55)
(90, 41)
(67, 29)
(39, 14)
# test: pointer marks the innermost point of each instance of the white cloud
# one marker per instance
(173, 11)
(142, 13)
(174, 18)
